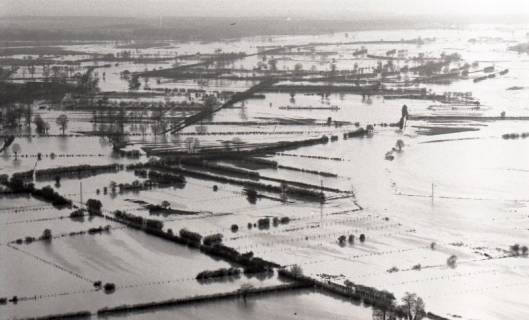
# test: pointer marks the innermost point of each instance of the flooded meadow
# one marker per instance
(288, 152)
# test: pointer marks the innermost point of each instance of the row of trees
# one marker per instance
(412, 308)
(18, 115)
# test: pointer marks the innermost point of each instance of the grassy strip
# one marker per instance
(70, 315)
(80, 170)
(199, 299)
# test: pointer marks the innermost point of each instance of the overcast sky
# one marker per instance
(284, 8)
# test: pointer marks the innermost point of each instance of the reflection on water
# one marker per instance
(293, 305)
(480, 183)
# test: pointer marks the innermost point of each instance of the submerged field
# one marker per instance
(455, 187)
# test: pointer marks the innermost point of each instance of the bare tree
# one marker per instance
(399, 145)
(296, 270)
(62, 122)
(16, 149)
(413, 306)
(40, 124)
(237, 143)
(245, 289)
(165, 204)
(189, 144)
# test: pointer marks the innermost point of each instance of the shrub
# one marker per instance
(251, 195)
(451, 261)
(154, 224)
(515, 249)
(212, 239)
(393, 269)
(190, 236)
(29, 240)
(94, 206)
(109, 287)
(166, 178)
(223, 272)
(46, 235)
(362, 237)
(284, 220)
(99, 229)
(234, 228)
(263, 223)
(296, 270)
(77, 214)
(130, 218)
(47, 193)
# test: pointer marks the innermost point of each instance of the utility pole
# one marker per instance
(321, 202)
(81, 193)
(432, 192)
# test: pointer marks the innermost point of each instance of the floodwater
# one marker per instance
(464, 190)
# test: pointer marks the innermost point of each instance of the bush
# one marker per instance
(362, 237)
(154, 224)
(29, 240)
(130, 218)
(234, 228)
(263, 223)
(99, 229)
(212, 239)
(190, 236)
(109, 287)
(251, 195)
(166, 178)
(451, 261)
(393, 269)
(284, 220)
(223, 272)
(296, 270)
(47, 193)
(94, 206)
(77, 214)
(46, 235)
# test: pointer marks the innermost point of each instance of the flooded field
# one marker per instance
(289, 151)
